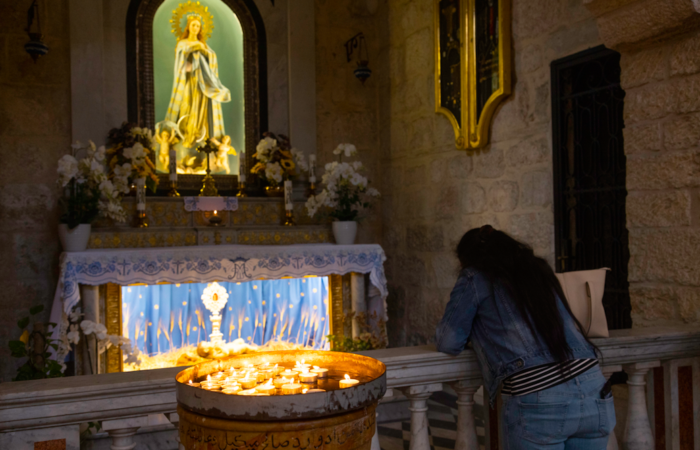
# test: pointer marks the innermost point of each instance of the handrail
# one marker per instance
(63, 401)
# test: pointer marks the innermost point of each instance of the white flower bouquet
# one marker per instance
(88, 192)
(130, 156)
(277, 160)
(346, 189)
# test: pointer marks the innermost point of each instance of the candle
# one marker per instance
(292, 388)
(231, 390)
(217, 376)
(193, 384)
(267, 388)
(172, 166)
(312, 168)
(263, 375)
(348, 382)
(248, 392)
(308, 377)
(236, 375)
(288, 202)
(248, 382)
(211, 386)
(322, 373)
(289, 373)
(311, 391)
(241, 169)
(276, 370)
(301, 365)
(279, 382)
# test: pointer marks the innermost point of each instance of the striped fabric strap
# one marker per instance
(546, 376)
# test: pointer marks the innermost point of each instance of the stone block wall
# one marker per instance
(434, 193)
(662, 143)
(346, 109)
(35, 130)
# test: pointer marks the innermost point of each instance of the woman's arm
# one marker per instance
(456, 325)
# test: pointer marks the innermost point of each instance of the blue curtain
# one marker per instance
(158, 318)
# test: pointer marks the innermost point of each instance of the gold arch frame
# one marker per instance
(472, 131)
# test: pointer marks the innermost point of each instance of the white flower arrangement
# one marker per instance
(88, 190)
(346, 189)
(104, 340)
(277, 160)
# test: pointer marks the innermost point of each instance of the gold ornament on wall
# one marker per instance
(472, 65)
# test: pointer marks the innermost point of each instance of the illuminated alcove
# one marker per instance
(227, 42)
(168, 321)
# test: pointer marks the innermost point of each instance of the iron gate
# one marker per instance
(589, 173)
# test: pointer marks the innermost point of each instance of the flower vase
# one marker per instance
(345, 232)
(274, 191)
(75, 240)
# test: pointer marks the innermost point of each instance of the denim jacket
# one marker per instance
(485, 314)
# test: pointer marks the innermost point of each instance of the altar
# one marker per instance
(284, 294)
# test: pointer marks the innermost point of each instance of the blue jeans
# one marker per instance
(570, 416)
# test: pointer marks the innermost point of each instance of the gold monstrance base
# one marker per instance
(289, 219)
(173, 190)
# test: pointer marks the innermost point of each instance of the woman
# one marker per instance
(509, 304)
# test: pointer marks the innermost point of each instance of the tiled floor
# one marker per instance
(442, 419)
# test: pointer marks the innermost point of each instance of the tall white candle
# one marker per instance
(140, 194)
(241, 168)
(172, 165)
(312, 168)
(288, 202)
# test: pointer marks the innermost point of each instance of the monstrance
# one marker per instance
(214, 298)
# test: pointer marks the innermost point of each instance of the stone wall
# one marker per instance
(660, 46)
(346, 109)
(35, 130)
(434, 193)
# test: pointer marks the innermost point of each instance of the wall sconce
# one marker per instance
(35, 47)
(358, 42)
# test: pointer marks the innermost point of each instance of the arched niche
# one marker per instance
(140, 66)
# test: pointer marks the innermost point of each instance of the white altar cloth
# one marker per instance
(209, 263)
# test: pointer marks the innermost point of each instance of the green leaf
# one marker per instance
(18, 349)
(22, 323)
(36, 310)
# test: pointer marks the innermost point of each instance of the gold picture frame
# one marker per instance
(472, 65)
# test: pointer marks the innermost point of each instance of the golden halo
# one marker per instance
(192, 9)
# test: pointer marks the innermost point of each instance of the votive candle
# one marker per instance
(308, 377)
(279, 382)
(248, 382)
(232, 390)
(289, 373)
(321, 372)
(312, 391)
(292, 388)
(248, 392)
(267, 388)
(348, 382)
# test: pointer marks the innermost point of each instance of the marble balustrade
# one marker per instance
(125, 402)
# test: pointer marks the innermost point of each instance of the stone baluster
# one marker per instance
(175, 420)
(122, 431)
(466, 426)
(607, 373)
(375, 439)
(672, 401)
(418, 396)
(638, 435)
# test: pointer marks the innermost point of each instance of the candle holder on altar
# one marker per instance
(173, 190)
(215, 220)
(241, 189)
(208, 184)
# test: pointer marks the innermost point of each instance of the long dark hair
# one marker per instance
(528, 279)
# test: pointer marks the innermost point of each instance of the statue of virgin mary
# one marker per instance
(195, 102)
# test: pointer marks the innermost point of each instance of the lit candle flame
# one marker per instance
(215, 212)
(190, 381)
(304, 391)
(347, 377)
(208, 378)
(316, 367)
